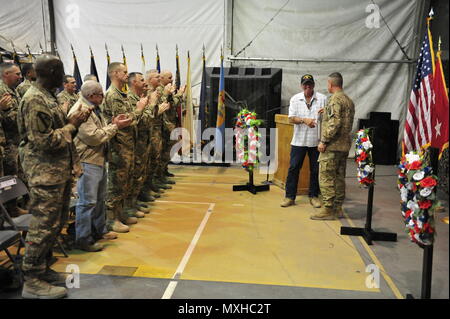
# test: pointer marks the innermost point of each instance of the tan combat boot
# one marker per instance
(144, 209)
(326, 213)
(339, 212)
(139, 214)
(287, 202)
(110, 235)
(315, 202)
(118, 227)
(38, 289)
(131, 221)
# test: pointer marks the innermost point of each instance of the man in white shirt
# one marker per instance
(304, 112)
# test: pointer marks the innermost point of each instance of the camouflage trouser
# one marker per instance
(167, 146)
(156, 152)
(141, 165)
(50, 208)
(332, 167)
(120, 179)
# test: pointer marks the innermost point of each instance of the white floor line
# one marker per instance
(172, 285)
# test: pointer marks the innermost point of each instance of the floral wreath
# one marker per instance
(363, 158)
(417, 183)
(247, 139)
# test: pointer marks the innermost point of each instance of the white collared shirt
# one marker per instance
(303, 134)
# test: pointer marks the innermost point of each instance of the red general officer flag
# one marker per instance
(439, 109)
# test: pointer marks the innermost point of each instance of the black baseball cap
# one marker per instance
(307, 78)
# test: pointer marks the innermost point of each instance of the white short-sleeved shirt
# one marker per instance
(303, 134)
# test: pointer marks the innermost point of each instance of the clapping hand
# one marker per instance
(5, 101)
(122, 121)
(163, 107)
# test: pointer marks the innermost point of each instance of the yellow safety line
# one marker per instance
(388, 279)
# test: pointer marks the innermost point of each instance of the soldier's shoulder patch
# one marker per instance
(43, 122)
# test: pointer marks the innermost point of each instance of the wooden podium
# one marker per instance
(284, 137)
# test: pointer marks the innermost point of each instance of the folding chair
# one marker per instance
(9, 238)
(12, 187)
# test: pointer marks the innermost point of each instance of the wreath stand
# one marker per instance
(427, 267)
(250, 186)
(367, 232)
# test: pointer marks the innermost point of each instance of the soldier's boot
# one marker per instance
(110, 235)
(315, 202)
(53, 277)
(133, 212)
(326, 213)
(142, 208)
(35, 288)
(159, 184)
(92, 247)
(145, 197)
(287, 202)
(118, 227)
(155, 195)
(339, 212)
(169, 174)
(165, 180)
(131, 220)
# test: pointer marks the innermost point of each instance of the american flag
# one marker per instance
(417, 132)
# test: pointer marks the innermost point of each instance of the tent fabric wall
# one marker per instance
(334, 30)
(24, 22)
(188, 24)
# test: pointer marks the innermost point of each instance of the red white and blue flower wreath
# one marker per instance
(416, 183)
(247, 139)
(363, 158)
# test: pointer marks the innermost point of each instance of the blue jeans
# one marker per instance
(298, 154)
(90, 221)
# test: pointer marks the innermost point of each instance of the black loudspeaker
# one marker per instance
(258, 89)
(385, 137)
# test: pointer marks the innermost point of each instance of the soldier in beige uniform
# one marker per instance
(68, 97)
(29, 74)
(335, 142)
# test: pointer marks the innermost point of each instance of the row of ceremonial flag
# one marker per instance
(427, 119)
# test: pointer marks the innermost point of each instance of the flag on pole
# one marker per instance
(76, 70)
(439, 108)
(16, 58)
(30, 56)
(202, 106)
(108, 60)
(177, 73)
(177, 87)
(158, 65)
(143, 60)
(188, 118)
(417, 132)
(93, 66)
(220, 124)
(125, 87)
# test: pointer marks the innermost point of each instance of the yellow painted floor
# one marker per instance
(247, 238)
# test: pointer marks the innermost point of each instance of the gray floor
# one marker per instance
(402, 260)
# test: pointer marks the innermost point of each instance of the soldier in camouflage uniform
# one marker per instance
(335, 142)
(2, 146)
(68, 97)
(10, 78)
(49, 158)
(170, 123)
(138, 87)
(30, 76)
(122, 147)
(152, 182)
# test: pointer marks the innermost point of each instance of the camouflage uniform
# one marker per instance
(336, 134)
(48, 156)
(9, 123)
(65, 96)
(143, 146)
(23, 87)
(121, 161)
(154, 164)
(170, 123)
